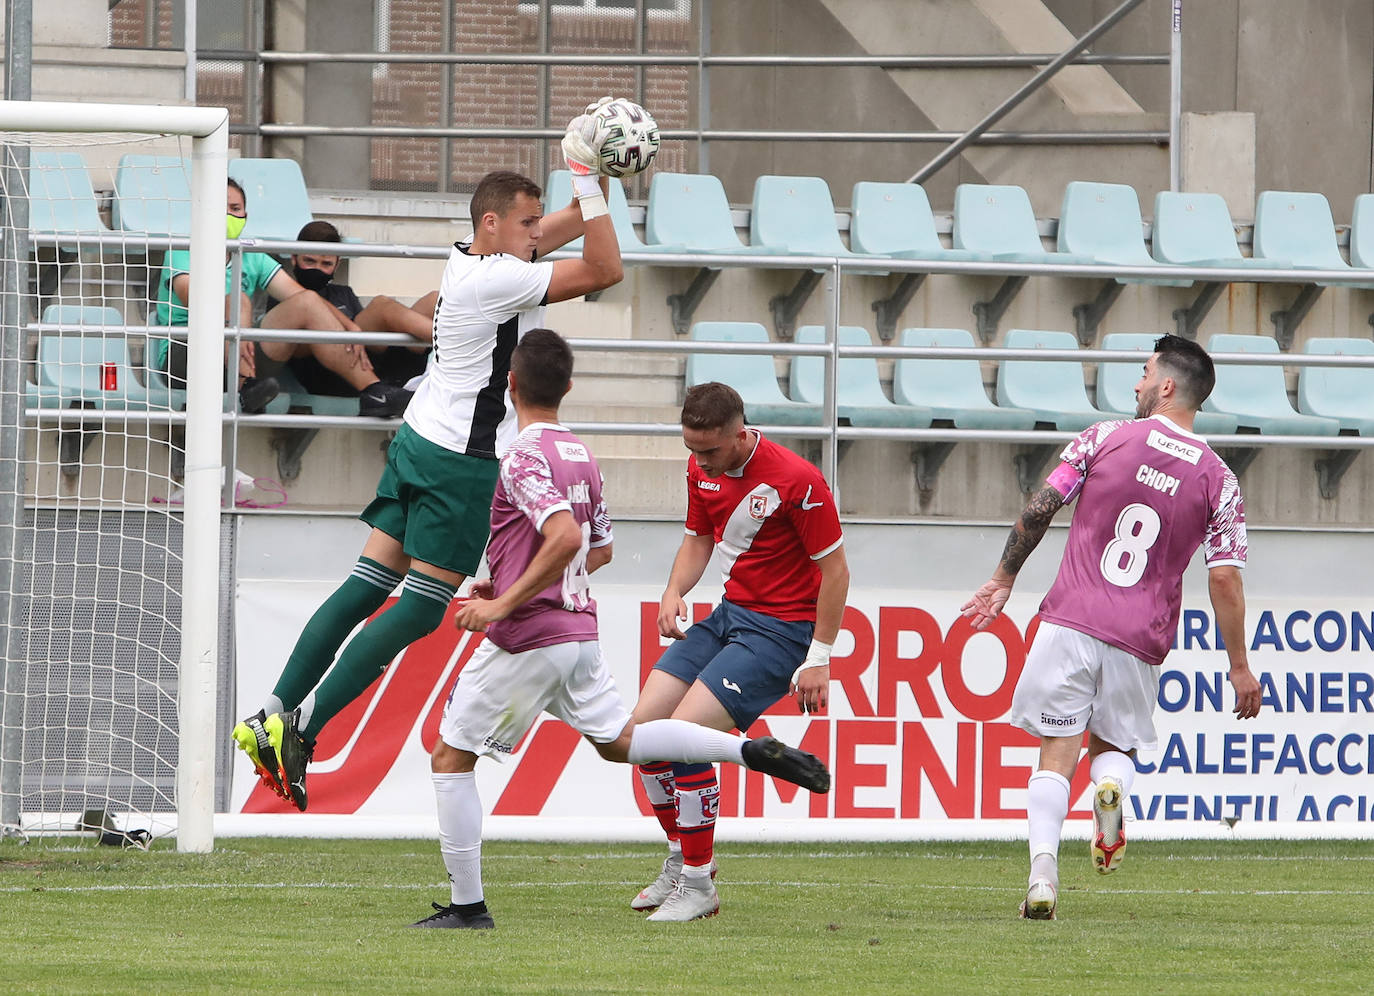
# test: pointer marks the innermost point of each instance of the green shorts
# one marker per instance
(435, 501)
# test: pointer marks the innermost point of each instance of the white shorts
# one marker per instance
(499, 695)
(1074, 682)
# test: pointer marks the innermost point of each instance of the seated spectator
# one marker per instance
(296, 308)
(395, 365)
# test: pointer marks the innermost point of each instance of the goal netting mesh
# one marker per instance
(92, 453)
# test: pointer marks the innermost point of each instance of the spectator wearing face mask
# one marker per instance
(393, 365)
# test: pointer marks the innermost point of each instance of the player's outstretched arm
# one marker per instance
(1227, 592)
(811, 681)
(1026, 534)
(562, 542)
(600, 266)
(688, 567)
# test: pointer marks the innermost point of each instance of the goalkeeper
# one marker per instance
(430, 516)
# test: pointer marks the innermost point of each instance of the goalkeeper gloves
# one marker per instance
(582, 151)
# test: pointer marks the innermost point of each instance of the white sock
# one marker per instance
(307, 708)
(1047, 806)
(1117, 765)
(460, 833)
(274, 705)
(679, 740)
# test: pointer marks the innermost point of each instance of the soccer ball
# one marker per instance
(631, 138)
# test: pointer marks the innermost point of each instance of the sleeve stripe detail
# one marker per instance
(829, 550)
(1225, 563)
(562, 506)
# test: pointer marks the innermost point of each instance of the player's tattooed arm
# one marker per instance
(1029, 529)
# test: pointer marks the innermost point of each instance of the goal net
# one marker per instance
(110, 471)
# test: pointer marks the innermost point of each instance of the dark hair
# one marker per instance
(318, 231)
(239, 187)
(712, 406)
(543, 365)
(1190, 367)
(496, 192)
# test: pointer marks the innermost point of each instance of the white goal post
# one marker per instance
(25, 126)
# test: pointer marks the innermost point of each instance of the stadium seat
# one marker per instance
(77, 368)
(1116, 383)
(1052, 390)
(318, 404)
(1197, 230)
(951, 388)
(1362, 233)
(689, 211)
(1342, 393)
(859, 397)
(278, 203)
(1102, 221)
(894, 219)
(797, 215)
(1257, 395)
(997, 221)
(1296, 228)
(558, 194)
(152, 195)
(61, 199)
(752, 375)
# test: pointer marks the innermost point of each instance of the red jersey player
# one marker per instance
(1149, 494)
(773, 523)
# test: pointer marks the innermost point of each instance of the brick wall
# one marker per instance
(482, 96)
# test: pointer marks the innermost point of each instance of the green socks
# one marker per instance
(362, 594)
(420, 610)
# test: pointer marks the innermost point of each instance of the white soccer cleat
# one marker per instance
(652, 895)
(1040, 900)
(1109, 829)
(693, 899)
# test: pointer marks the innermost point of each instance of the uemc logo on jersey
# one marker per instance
(1174, 447)
(571, 452)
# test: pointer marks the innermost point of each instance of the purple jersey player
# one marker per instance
(549, 531)
(1149, 493)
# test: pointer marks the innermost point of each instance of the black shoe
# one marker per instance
(293, 753)
(256, 392)
(773, 757)
(383, 400)
(455, 917)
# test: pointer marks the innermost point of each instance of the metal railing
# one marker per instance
(830, 433)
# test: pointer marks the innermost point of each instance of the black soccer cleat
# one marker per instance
(773, 757)
(474, 917)
(382, 400)
(293, 753)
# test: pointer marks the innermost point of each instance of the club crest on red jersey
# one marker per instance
(758, 506)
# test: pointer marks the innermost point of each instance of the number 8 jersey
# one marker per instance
(1149, 494)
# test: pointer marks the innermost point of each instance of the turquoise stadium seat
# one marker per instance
(1102, 221)
(859, 396)
(1296, 227)
(61, 198)
(278, 203)
(689, 211)
(752, 375)
(152, 195)
(951, 388)
(797, 215)
(998, 222)
(1258, 396)
(1197, 230)
(1116, 383)
(293, 395)
(894, 219)
(1052, 390)
(72, 367)
(1342, 393)
(558, 194)
(1362, 232)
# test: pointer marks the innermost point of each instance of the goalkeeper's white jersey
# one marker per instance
(486, 303)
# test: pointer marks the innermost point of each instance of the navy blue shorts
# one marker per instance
(745, 658)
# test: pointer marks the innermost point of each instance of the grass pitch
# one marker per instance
(302, 916)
